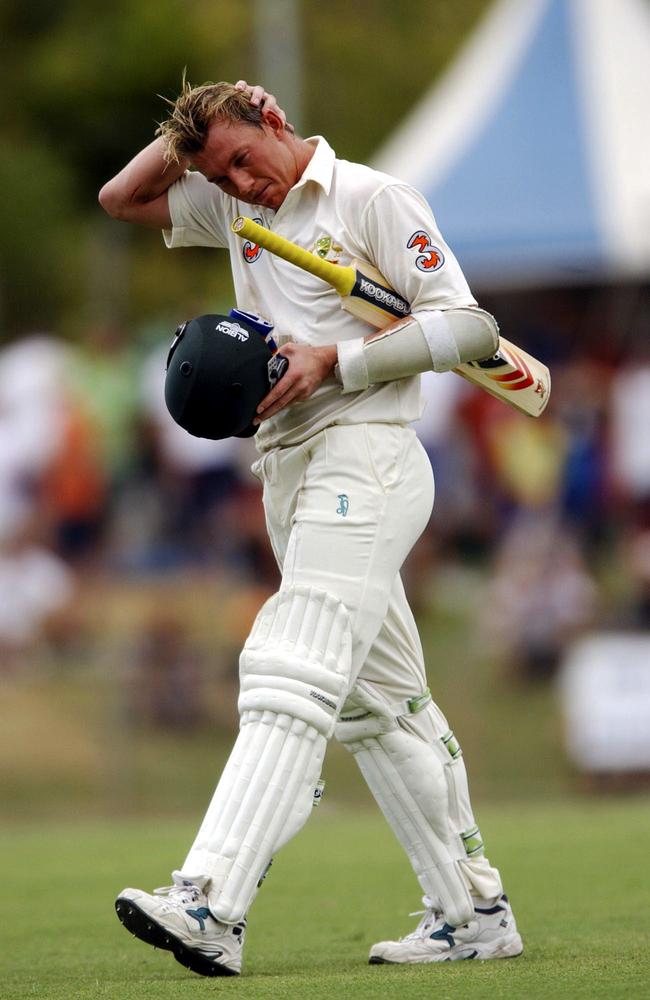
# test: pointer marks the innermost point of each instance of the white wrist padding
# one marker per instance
(352, 366)
(428, 340)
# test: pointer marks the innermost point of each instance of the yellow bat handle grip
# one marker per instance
(340, 278)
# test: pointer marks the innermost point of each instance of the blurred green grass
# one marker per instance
(572, 870)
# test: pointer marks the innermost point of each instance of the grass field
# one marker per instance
(575, 872)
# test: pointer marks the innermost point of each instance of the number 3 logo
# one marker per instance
(430, 258)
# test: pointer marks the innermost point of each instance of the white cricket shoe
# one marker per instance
(177, 918)
(491, 934)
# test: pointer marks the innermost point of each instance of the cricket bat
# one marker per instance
(512, 375)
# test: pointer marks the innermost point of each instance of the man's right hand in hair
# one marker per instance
(138, 193)
(260, 98)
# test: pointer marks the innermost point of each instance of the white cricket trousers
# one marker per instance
(343, 510)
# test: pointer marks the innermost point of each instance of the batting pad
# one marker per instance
(294, 670)
(407, 778)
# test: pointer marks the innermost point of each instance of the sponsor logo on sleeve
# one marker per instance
(430, 257)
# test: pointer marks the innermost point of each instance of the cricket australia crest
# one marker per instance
(327, 249)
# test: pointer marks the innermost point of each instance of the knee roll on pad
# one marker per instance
(294, 670)
(297, 658)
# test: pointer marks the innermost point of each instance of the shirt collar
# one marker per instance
(320, 168)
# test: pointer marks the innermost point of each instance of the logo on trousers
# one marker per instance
(344, 504)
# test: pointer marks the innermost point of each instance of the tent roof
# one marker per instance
(534, 148)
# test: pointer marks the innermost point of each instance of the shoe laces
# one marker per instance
(430, 916)
(185, 893)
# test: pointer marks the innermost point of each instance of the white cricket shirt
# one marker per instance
(344, 210)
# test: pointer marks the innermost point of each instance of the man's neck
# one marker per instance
(303, 152)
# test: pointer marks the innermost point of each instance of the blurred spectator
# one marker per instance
(36, 595)
(104, 376)
(32, 417)
(630, 435)
(540, 597)
(36, 587)
(580, 402)
(49, 462)
(629, 442)
(638, 562)
(166, 680)
(73, 489)
(195, 482)
(526, 457)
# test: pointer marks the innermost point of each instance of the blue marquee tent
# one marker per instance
(534, 148)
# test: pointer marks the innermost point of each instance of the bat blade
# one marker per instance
(512, 375)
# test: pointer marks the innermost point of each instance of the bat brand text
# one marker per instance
(383, 297)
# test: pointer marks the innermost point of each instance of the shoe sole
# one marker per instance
(138, 923)
(510, 949)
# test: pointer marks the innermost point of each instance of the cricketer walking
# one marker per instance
(348, 489)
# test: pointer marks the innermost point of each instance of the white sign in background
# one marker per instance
(604, 687)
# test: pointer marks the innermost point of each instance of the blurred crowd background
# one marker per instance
(133, 557)
(98, 483)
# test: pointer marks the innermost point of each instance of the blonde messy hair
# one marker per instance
(185, 131)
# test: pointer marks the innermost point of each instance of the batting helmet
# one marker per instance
(218, 370)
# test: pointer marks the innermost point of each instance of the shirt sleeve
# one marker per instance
(405, 244)
(197, 212)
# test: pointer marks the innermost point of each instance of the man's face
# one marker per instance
(251, 164)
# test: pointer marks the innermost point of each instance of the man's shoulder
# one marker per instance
(364, 177)
(359, 189)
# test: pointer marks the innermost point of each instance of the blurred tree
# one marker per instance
(369, 62)
(82, 84)
(39, 259)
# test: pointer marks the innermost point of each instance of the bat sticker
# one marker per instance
(252, 251)
(430, 258)
(520, 375)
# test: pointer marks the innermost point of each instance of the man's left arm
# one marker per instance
(445, 328)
